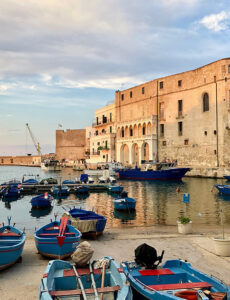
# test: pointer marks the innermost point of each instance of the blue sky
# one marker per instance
(61, 60)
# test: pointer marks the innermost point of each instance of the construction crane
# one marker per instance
(36, 143)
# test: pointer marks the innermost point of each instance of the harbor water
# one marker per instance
(158, 202)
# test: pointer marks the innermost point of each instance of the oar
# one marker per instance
(61, 236)
(80, 283)
(103, 280)
(93, 282)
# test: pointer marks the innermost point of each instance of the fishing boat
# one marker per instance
(81, 189)
(223, 189)
(49, 181)
(43, 200)
(57, 239)
(175, 278)
(12, 241)
(30, 181)
(163, 171)
(62, 279)
(60, 190)
(68, 181)
(88, 222)
(115, 188)
(125, 203)
(51, 165)
(12, 191)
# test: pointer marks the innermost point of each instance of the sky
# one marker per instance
(61, 60)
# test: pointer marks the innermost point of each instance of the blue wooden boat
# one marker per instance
(81, 189)
(162, 172)
(43, 200)
(57, 239)
(223, 189)
(125, 203)
(68, 181)
(115, 188)
(175, 278)
(227, 177)
(30, 182)
(60, 280)
(96, 223)
(12, 241)
(12, 191)
(60, 190)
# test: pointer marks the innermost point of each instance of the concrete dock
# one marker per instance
(21, 281)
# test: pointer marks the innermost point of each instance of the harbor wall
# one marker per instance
(33, 161)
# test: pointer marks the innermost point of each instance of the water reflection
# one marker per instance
(40, 212)
(124, 216)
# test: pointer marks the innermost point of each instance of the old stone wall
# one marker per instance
(20, 161)
(70, 144)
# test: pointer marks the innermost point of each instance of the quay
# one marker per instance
(37, 188)
(22, 280)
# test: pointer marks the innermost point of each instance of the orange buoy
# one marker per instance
(187, 294)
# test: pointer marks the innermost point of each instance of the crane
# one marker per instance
(36, 143)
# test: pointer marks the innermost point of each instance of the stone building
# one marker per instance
(103, 135)
(183, 117)
(71, 145)
(23, 160)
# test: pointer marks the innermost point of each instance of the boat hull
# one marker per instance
(165, 282)
(47, 243)
(11, 247)
(125, 204)
(62, 274)
(169, 174)
(223, 189)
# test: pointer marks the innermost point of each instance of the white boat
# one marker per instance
(101, 168)
(51, 165)
(112, 179)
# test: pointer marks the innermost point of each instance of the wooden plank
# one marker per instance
(107, 289)
(155, 272)
(178, 286)
(83, 271)
(56, 234)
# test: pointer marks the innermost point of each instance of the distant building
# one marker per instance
(103, 135)
(71, 145)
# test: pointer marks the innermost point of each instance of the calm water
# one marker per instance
(157, 202)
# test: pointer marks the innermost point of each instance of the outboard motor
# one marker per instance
(146, 256)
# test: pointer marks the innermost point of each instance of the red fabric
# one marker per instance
(155, 272)
(178, 286)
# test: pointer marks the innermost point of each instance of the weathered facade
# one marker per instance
(103, 135)
(26, 160)
(71, 145)
(183, 117)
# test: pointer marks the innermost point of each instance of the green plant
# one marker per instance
(184, 220)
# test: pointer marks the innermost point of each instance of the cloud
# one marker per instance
(216, 22)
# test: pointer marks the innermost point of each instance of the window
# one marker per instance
(161, 110)
(180, 108)
(96, 133)
(106, 144)
(11, 160)
(110, 129)
(131, 94)
(214, 132)
(104, 119)
(180, 128)
(122, 96)
(122, 132)
(2, 160)
(186, 142)
(162, 130)
(98, 143)
(143, 91)
(228, 68)
(103, 131)
(143, 130)
(110, 117)
(131, 132)
(179, 82)
(205, 102)
(103, 156)
(164, 143)
(205, 133)
(97, 120)
(161, 84)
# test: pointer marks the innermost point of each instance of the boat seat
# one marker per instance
(56, 233)
(9, 234)
(8, 240)
(81, 271)
(155, 272)
(179, 286)
(106, 289)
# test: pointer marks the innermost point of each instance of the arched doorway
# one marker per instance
(124, 154)
(135, 154)
(145, 152)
